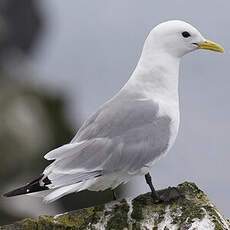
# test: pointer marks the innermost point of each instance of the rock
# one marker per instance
(193, 211)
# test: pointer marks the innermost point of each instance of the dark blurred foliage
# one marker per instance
(32, 123)
(32, 120)
(21, 23)
(29, 118)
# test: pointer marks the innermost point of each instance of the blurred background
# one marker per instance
(60, 60)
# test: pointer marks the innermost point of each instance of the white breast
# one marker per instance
(171, 108)
(168, 106)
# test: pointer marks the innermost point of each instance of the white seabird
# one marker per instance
(130, 131)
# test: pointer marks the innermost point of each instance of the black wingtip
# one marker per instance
(32, 187)
(20, 191)
(9, 194)
(5, 195)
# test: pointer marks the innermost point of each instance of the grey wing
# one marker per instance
(117, 117)
(125, 134)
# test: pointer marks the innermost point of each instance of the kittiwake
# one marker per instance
(133, 129)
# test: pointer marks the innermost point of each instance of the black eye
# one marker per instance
(186, 34)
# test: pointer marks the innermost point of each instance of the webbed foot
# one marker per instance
(169, 194)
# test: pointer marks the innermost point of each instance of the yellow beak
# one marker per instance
(210, 45)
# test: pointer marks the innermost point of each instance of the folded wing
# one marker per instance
(125, 134)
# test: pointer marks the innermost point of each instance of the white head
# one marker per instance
(178, 38)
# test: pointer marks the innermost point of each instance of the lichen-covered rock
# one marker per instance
(193, 211)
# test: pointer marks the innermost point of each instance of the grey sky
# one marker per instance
(90, 50)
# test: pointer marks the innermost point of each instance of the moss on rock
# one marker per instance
(193, 210)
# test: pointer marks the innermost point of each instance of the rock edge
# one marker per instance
(193, 211)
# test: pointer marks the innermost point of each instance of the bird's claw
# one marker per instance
(156, 198)
(167, 195)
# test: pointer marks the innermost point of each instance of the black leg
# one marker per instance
(154, 194)
(165, 195)
(114, 195)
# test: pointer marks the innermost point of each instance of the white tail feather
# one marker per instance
(60, 192)
(40, 194)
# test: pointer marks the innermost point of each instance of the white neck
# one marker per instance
(157, 73)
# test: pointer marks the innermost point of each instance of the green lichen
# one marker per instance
(197, 204)
(46, 222)
(137, 208)
(157, 212)
(119, 217)
(189, 207)
(212, 212)
(28, 224)
(183, 212)
(77, 218)
(42, 223)
(82, 218)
